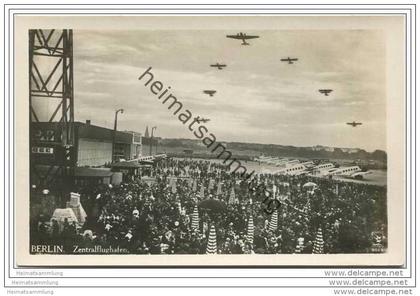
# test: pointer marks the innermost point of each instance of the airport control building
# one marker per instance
(92, 144)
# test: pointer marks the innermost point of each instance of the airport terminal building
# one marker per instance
(92, 144)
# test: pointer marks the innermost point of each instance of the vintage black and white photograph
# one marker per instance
(219, 141)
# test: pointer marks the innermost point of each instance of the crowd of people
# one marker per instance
(158, 215)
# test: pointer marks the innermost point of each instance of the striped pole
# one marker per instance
(250, 230)
(211, 184)
(212, 243)
(195, 221)
(194, 185)
(202, 191)
(232, 197)
(219, 189)
(307, 207)
(174, 186)
(319, 243)
(273, 222)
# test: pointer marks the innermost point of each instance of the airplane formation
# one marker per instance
(244, 37)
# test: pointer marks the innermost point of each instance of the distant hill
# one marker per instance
(251, 150)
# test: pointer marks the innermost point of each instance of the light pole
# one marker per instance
(114, 133)
(151, 140)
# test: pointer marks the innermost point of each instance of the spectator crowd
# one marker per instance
(166, 214)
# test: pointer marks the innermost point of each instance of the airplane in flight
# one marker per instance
(243, 37)
(354, 123)
(289, 60)
(203, 120)
(209, 92)
(326, 92)
(218, 66)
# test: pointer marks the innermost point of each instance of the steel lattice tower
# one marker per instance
(52, 160)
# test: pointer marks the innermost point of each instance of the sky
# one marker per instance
(259, 99)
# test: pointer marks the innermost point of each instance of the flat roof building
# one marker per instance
(92, 144)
